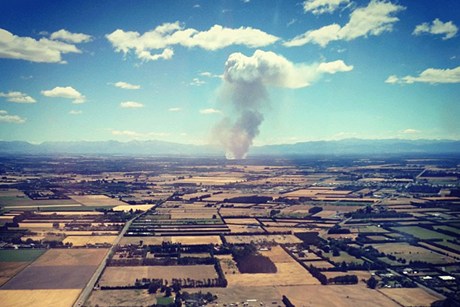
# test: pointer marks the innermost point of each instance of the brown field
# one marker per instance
(244, 229)
(69, 257)
(414, 253)
(125, 276)
(39, 298)
(361, 274)
(120, 298)
(280, 239)
(133, 207)
(242, 221)
(97, 200)
(289, 272)
(411, 297)
(211, 180)
(320, 264)
(84, 240)
(188, 240)
(441, 250)
(193, 213)
(9, 269)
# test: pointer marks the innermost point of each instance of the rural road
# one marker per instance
(92, 282)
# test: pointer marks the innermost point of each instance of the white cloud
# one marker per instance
(138, 135)
(66, 92)
(26, 48)
(197, 82)
(127, 86)
(410, 131)
(448, 29)
(170, 34)
(269, 68)
(126, 133)
(17, 97)
(70, 37)
(430, 75)
(392, 79)
(322, 6)
(13, 119)
(75, 112)
(175, 109)
(131, 105)
(210, 111)
(210, 75)
(374, 19)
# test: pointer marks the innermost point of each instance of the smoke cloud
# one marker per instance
(246, 80)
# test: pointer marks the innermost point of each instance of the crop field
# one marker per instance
(422, 233)
(412, 253)
(84, 240)
(10, 269)
(185, 240)
(132, 207)
(320, 264)
(70, 257)
(120, 298)
(280, 239)
(245, 229)
(97, 200)
(289, 272)
(410, 297)
(126, 276)
(20, 255)
(242, 221)
(448, 228)
(39, 298)
(344, 257)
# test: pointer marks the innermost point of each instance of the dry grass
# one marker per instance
(69, 257)
(133, 207)
(84, 240)
(120, 298)
(410, 297)
(125, 276)
(9, 269)
(414, 253)
(97, 200)
(289, 272)
(39, 298)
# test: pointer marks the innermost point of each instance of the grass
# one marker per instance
(422, 233)
(449, 229)
(164, 301)
(20, 255)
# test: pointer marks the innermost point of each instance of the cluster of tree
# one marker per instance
(198, 299)
(287, 302)
(249, 199)
(374, 215)
(314, 210)
(248, 260)
(336, 229)
(372, 282)
(344, 280)
(317, 274)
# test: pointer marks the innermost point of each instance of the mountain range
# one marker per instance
(162, 148)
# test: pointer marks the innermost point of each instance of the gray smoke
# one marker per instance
(245, 87)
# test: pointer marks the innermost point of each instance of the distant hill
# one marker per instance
(161, 148)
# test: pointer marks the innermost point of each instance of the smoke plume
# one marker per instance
(246, 80)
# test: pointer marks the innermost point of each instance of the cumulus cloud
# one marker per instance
(246, 80)
(169, 34)
(75, 112)
(175, 109)
(410, 131)
(131, 105)
(26, 48)
(430, 75)
(17, 97)
(12, 119)
(374, 19)
(210, 111)
(66, 92)
(437, 27)
(322, 6)
(70, 37)
(127, 86)
(197, 82)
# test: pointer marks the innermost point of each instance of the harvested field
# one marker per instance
(132, 207)
(245, 229)
(411, 297)
(320, 264)
(39, 298)
(120, 298)
(97, 200)
(280, 239)
(71, 257)
(84, 240)
(361, 274)
(242, 221)
(289, 272)
(126, 276)
(10, 269)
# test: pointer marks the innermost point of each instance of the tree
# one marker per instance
(372, 282)
(168, 292)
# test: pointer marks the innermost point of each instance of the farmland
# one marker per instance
(145, 231)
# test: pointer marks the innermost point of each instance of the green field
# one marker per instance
(164, 301)
(448, 228)
(20, 255)
(422, 233)
(344, 257)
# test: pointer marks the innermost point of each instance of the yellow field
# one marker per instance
(97, 200)
(189, 240)
(411, 297)
(38, 298)
(84, 240)
(134, 207)
(289, 273)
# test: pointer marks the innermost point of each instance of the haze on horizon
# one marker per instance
(232, 73)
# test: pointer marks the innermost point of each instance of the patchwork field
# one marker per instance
(84, 240)
(411, 297)
(126, 276)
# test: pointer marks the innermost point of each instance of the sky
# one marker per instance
(237, 73)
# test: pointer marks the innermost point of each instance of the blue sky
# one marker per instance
(192, 71)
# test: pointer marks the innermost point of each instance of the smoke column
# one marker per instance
(245, 87)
